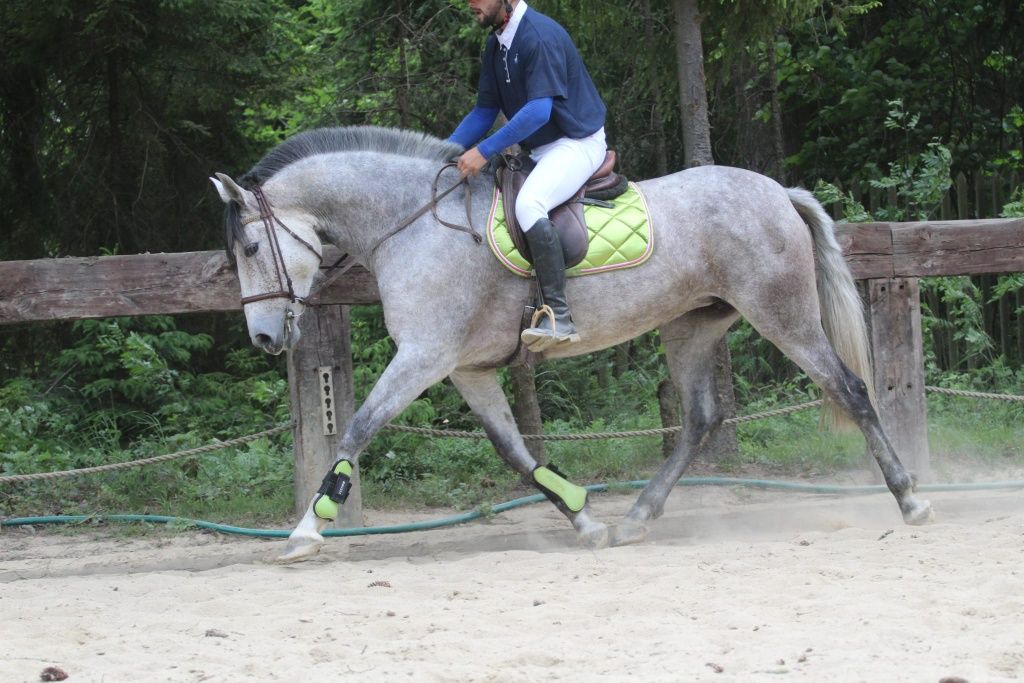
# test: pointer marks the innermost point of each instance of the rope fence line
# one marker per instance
(147, 461)
(455, 434)
(974, 394)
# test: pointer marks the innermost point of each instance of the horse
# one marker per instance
(729, 243)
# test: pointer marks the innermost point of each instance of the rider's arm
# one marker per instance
(525, 123)
(474, 126)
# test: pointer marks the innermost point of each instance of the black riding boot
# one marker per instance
(552, 323)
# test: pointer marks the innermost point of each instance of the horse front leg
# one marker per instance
(484, 396)
(411, 372)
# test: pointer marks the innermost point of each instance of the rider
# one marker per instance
(533, 73)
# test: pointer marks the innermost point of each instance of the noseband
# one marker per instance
(284, 281)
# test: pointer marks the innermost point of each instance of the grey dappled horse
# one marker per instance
(728, 243)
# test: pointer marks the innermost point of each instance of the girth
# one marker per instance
(567, 218)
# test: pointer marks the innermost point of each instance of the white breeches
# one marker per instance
(562, 168)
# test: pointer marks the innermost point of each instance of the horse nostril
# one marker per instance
(263, 339)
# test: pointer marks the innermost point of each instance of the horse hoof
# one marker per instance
(595, 537)
(918, 512)
(300, 547)
(629, 533)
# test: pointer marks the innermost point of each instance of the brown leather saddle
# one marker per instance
(567, 218)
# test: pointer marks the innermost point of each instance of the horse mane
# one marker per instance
(310, 143)
(349, 139)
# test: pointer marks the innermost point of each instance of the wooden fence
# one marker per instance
(975, 196)
(889, 257)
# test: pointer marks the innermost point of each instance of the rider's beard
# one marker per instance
(493, 19)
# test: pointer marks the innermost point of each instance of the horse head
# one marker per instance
(276, 254)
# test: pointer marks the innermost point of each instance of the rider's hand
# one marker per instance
(471, 162)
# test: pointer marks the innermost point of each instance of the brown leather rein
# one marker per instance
(431, 206)
(342, 265)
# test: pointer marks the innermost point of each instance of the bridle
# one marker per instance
(287, 291)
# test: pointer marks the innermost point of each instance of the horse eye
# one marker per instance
(252, 248)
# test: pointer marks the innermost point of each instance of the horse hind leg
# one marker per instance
(850, 393)
(809, 348)
(690, 342)
(484, 396)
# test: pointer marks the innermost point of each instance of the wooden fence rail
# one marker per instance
(889, 256)
(143, 284)
(972, 195)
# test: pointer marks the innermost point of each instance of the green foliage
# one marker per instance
(114, 113)
(391, 63)
(853, 211)
(124, 390)
(1015, 207)
(921, 180)
(933, 56)
(963, 317)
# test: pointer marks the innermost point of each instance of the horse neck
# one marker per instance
(357, 197)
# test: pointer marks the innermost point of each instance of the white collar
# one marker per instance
(506, 37)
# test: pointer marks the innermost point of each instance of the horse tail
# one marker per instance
(842, 312)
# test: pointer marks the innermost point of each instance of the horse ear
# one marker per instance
(230, 191)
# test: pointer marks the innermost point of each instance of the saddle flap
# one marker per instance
(619, 235)
(570, 224)
(511, 176)
(571, 228)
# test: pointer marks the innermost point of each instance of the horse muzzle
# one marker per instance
(278, 338)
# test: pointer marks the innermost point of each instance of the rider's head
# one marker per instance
(491, 14)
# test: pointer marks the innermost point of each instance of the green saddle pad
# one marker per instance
(620, 237)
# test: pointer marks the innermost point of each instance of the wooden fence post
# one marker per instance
(320, 382)
(895, 319)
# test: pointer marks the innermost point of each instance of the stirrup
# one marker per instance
(540, 314)
(538, 339)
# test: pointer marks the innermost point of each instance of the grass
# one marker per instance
(253, 487)
(990, 430)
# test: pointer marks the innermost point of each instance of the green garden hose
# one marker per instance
(500, 507)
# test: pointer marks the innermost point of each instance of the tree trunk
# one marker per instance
(117, 162)
(21, 89)
(526, 408)
(693, 96)
(602, 368)
(753, 139)
(402, 91)
(657, 124)
(668, 406)
(724, 442)
(623, 359)
(777, 137)
(693, 102)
